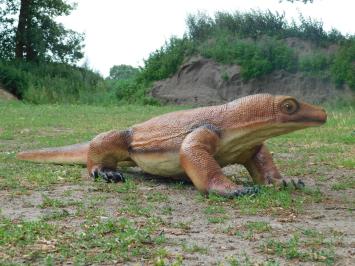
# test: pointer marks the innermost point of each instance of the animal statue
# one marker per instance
(196, 143)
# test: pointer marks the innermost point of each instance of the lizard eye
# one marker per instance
(289, 106)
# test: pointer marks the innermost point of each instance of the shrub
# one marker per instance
(132, 91)
(123, 72)
(165, 61)
(255, 24)
(51, 82)
(255, 58)
(317, 64)
(343, 68)
(13, 79)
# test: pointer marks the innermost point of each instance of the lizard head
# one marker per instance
(297, 115)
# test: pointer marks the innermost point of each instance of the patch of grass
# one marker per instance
(269, 200)
(247, 261)
(213, 209)
(167, 210)
(194, 248)
(346, 162)
(312, 248)
(183, 225)
(217, 219)
(258, 227)
(56, 215)
(48, 202)
(215, 214)
(157, 197)
(343, 185)
(249, 230)
(112, 240)
(116, 239)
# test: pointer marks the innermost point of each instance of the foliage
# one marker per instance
(254, 40)
(343, 69)
(165, 61)
(255, 58)
(52, 82)
(315, 64)
(255, 24)
(35, 35)
(132, 91)
(7, 33)
(62, 83)
(15, 80)
(123, 72)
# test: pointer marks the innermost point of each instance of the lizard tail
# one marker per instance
(72, 154)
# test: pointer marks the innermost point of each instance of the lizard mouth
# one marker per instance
(316, 120)
(311, 116)
(308, 118)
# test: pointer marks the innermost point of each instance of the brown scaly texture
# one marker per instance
(199, 142)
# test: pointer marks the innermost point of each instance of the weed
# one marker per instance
(345, 184)
(194, 248)
(313, 248)
(48, 202)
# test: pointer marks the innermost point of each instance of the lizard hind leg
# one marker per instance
(105, 151)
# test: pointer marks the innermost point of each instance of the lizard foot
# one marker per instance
(110, 176)
(243, 191)
(293, 184)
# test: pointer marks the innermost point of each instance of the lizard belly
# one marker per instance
(159, 163)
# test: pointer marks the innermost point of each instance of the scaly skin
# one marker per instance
(197, 143)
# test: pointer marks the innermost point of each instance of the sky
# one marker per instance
(126, 32)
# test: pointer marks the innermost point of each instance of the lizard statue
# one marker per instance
(196, 143)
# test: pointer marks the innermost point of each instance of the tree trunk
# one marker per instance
(21, 32)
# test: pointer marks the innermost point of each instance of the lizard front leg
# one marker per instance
(105, 151)
(196, 157)
(263, 170)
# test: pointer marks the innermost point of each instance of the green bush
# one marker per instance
(132, 91)
(119, 72)
(316, 64)
(13, 79)
(343, 68)
(255, 24)
(165, 61)
(255, 58)
(52, 82)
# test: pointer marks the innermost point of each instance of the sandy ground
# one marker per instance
(332, 216)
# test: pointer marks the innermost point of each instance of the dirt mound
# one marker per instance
(5, 95)
(202, 81)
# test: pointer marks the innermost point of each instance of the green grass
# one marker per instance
(310, 246)
(126, 222)
(249, 230)
(31, 126)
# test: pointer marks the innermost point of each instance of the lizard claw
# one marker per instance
(246, 191)
(108, 175)
(297, 185)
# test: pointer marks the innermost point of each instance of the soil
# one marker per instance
(202, 81)
(5, 95)
(328, 216)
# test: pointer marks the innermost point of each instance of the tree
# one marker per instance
(35, 35)
(121, 72)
